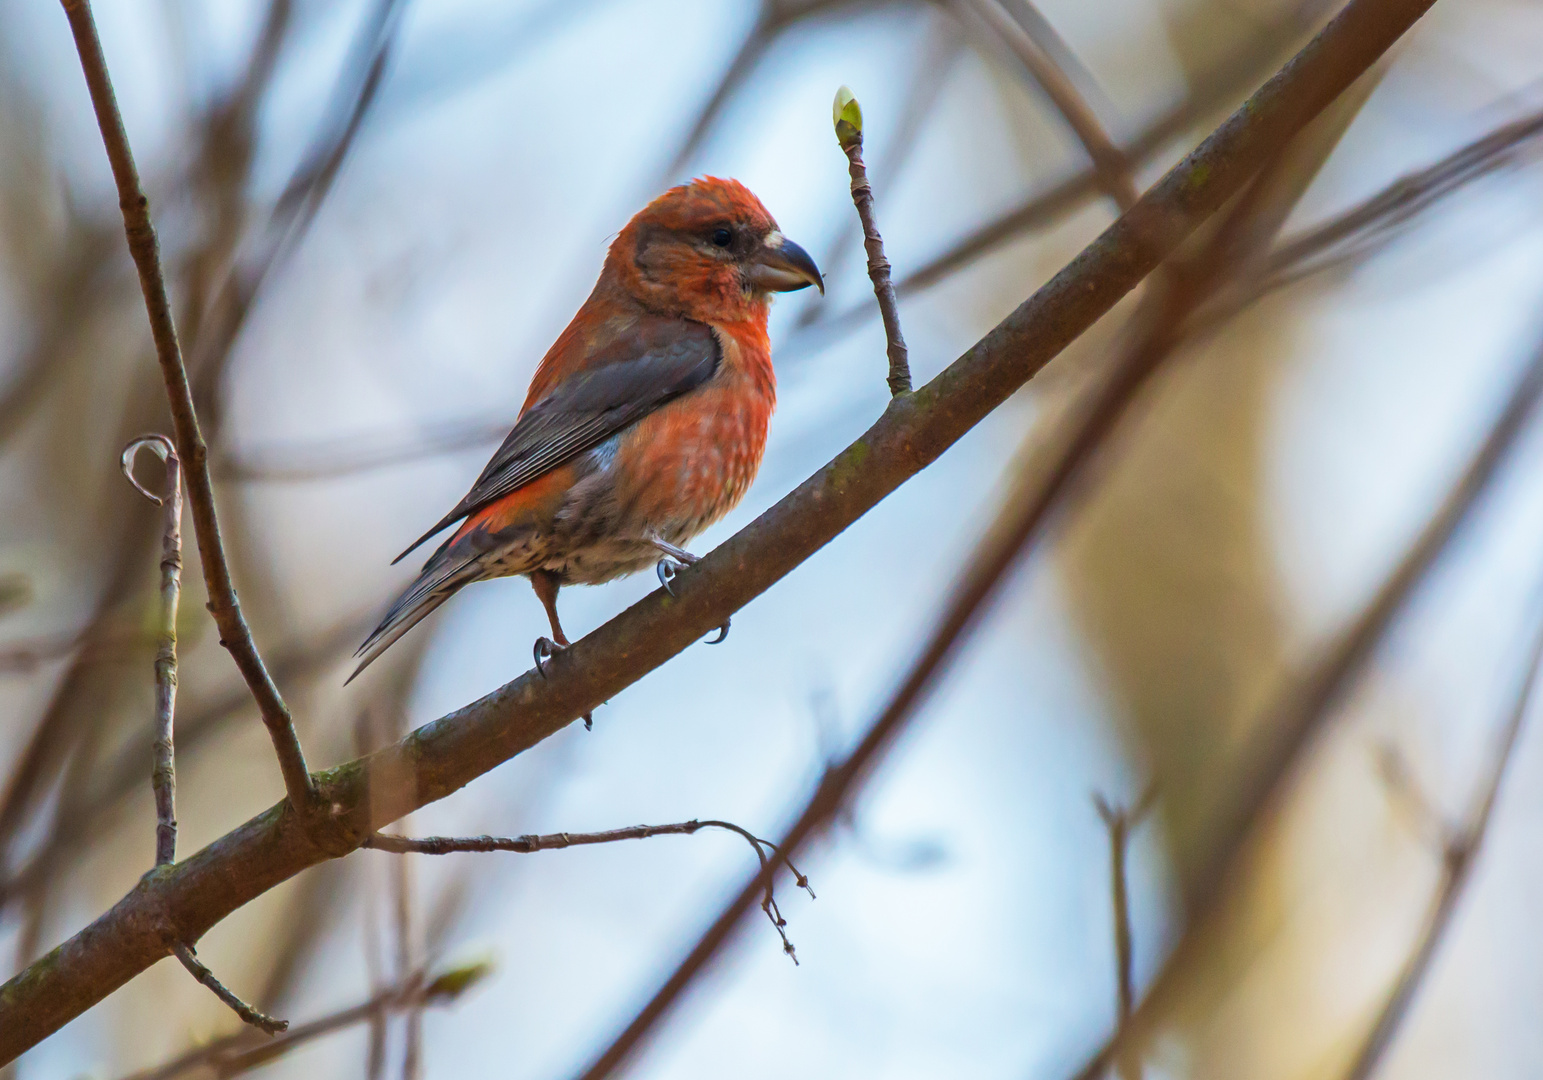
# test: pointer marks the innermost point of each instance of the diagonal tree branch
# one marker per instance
(235, 635)
(185, 901)
(1039, 491)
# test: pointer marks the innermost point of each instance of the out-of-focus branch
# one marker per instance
(446, 845)
(1119, 821)
(915, 429)
(1367, 225)
(235, 1054)
(1458, 856)
(163, 775)
(848, 118)
(1297, 716)
(1110, 165)
(235, 635)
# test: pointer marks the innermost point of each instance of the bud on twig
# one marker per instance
(847, 115)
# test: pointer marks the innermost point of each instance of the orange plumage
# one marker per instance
(645, 421)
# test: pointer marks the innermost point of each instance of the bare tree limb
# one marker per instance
(1038, 490)
(235, 635)
(848, 118)
(444, 755)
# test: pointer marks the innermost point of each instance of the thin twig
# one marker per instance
(235, 635)
(848, 118)
(1458, 856)
(163, 775)
(248, 1014)
(443, 756)
(446, 845)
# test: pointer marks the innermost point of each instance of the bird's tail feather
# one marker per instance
(433, 587)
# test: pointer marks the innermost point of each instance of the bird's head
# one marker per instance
(708, 250)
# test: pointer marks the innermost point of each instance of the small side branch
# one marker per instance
(163, 773)
(848, 118)
(1119, 821)
(248, 1014)
(235, 635)
(524, 845)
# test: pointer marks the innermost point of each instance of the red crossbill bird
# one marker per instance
(645, 421)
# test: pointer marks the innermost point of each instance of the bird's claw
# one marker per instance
(544, 650)
(667, 568)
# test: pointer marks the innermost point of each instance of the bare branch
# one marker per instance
(445, 845)
(848, 118)
(235, 635)
(163, 776)
(444, 755)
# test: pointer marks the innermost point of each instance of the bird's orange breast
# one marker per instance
(690, 462)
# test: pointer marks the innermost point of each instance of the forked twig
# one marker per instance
(447, 845)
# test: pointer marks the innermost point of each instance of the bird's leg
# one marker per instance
(545, 583)
(670, 565)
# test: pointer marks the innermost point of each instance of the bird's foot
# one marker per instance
(673, 564)
(545, 649)
(669, 566)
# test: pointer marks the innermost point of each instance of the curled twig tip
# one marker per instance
(163, 449)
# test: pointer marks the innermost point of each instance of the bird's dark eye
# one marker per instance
(722, 237)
